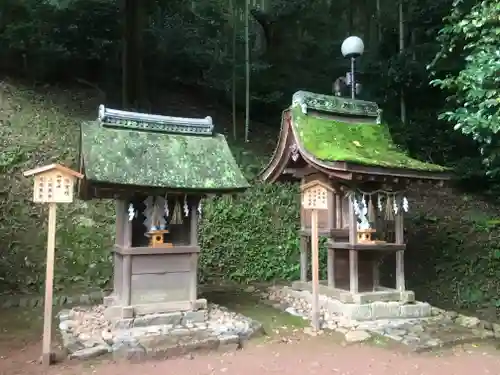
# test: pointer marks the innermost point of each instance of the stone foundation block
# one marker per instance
(229, 343)
(127, 312)
(416, 310)
(357, 312)
(158, 319)
(123, 323)
(199, 316)
(334, 306)
(385, 310)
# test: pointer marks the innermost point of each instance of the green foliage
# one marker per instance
(458, 272)
(252, 237)
(473, 32)
(36, 130)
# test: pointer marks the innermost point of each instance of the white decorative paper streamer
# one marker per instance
(186, 207)
(395, 206)
(199, 210)
(131, 212)
(365, 224)
(379, 117)
(361, 211)
(406, 206)
(165, 207)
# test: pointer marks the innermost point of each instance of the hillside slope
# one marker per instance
(454, 247)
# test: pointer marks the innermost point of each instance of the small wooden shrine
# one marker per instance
(343, 143)
(157, 169)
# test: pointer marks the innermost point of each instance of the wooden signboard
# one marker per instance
(315, 195)
(52, 184)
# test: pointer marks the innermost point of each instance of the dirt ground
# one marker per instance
(304, 355)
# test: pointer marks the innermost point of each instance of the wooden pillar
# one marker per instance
(353, 254)
(338, 206)
(193, 291)
(127, 260)
(332, 223)
(375, 272)
(315, 269)
(303, 258)
(120, 220)
(400, 262)
(303, 245)
(331, 211)
(331, 268)
(49, 286)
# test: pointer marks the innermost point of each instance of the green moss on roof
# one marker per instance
(174, 161)
(359, 143)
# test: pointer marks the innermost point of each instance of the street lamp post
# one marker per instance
(352, 48)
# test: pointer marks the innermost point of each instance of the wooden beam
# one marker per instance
(331, 267)
(193, 288)
(121, 221)
(400, 265)
(126, 296)
(392, 172)
(353, 254)
(300, 172)
(338, 206)
(315, 269)
(49, 286)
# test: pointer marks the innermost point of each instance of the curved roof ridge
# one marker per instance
(335, 104)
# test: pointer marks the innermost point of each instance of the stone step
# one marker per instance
(169, 346)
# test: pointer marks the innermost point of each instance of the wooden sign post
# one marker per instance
(52, 184)
(315, 195)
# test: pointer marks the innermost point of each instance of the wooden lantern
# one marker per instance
(315, 196)
(52, 184)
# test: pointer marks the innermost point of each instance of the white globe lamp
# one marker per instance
(351, 48)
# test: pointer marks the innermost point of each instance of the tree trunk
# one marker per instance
(401, 50)
(247, 71)
(379, 22)
(350, 26)
(132, 53)
(233, 99)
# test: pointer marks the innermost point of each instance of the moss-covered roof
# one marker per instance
(126, 156)
(365, 143)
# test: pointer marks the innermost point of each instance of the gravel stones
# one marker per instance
(87, 334)
(357, 336)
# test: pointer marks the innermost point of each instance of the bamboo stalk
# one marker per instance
(247, 71)
(401, 50)
(233, 99)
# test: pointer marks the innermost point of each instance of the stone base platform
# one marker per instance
(380, 294)
(86, 333)
(360, 311)
(426, 328)
(114, 310)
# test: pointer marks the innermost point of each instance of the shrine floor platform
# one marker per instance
(366, 294)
